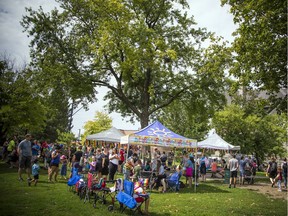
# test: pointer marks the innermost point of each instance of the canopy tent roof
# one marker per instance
(214, 141)
(158, 135)
(110, 135)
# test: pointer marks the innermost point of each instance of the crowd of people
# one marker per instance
(105, 162)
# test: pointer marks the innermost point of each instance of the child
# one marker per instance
(64, 162)
(92, 164)
(279, 178)
(35, 173)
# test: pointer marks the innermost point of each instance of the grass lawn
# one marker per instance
(212, 198)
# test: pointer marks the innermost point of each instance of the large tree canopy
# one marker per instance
(260, 46)
(144, 51)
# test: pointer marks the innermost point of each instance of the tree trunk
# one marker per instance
(144, 120)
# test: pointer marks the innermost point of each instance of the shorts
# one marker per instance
(242, 173)
(36, 176)
(272, 174)
(233, 174)
(25, 162)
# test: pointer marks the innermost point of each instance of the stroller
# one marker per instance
(95, 190)
(113, 191)
(248, 176)
(127, 200)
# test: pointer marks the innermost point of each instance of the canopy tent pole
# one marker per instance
(195, 170)
(128, 146)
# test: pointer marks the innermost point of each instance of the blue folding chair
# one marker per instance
(74, 179)
(127, 200)
(173, 181)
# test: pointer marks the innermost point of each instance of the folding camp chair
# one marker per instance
(74, 179)
(173, 181)
(127, 200)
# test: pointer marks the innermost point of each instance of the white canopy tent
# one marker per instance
(110, 135)
(214, 141)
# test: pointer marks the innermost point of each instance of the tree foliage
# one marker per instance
(101, 122)
(21, 110)
(142, 51)
(258, 135)
(65, 137)
(259, 50)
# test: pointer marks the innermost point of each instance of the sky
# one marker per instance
(15, 43)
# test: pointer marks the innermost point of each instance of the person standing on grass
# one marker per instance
(233, 166)
(189, 170)
(76, 159)
(272, 171)
(121, 160)
(242, 164)
(25, 155)
(64, 162)
(35, 172)
(113, 163)
(105, 163)
(54, 165)
(284, 170)
(279, 178)
(203, 163)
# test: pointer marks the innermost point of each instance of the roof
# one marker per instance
(110, 135)
(158, 135)
(214, 141)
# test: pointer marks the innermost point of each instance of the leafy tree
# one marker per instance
(142, 51)
(259, 50)
(65, 137)
(21, 110)
(256, 135)
(100, 123)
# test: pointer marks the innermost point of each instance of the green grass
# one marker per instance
(212, 198)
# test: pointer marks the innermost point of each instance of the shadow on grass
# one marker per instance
(202, 188)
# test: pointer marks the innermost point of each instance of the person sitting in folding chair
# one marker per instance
(173, 181)
(132, 197)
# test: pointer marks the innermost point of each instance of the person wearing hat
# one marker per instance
(35, 172)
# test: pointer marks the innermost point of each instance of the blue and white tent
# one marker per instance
(157, 134)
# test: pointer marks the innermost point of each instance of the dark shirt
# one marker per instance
(78, 156)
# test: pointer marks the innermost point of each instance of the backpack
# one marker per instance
(273, 168)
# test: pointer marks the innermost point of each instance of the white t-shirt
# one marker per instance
(114, 160)
(233, 164)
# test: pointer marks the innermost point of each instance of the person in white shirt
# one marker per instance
(113, 164)
(233, 166)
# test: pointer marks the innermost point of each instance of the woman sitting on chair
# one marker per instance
(173, 179)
